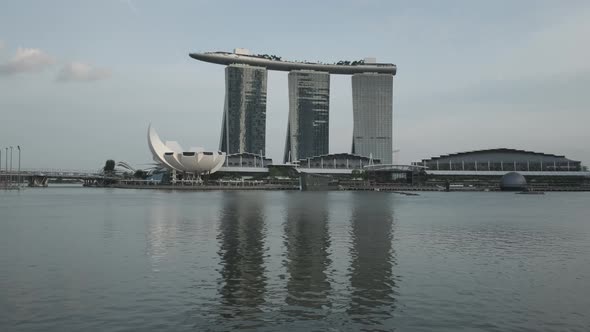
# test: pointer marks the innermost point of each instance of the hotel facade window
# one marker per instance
(372, 107)
(244, 116)
(308, 125)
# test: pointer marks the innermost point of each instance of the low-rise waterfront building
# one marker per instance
(501, 160)
(485, 168)
(344, 161)
(246, 160)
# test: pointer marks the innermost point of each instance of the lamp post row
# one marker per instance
(8, 170)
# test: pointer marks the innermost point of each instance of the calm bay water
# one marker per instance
(76, 259)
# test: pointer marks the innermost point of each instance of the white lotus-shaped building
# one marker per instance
(195, 161)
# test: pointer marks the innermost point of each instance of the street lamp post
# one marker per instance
(11, 149)
(18, 177)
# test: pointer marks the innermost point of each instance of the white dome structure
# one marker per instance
(196, 161)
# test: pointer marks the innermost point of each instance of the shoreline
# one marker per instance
(395, 189)
(204, 187)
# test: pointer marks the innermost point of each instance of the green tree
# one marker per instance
(140, 174)
(109, 166)
(364, 175)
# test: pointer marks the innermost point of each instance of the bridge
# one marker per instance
(40, 177)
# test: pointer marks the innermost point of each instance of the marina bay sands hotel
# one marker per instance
(244, 118)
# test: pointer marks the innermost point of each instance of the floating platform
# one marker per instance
(531, 193)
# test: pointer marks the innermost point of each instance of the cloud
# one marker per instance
(26, 60)
(131, 6)
(1, 44)
(556, 48)
(82, 72)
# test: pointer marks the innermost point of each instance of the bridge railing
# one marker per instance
(51, 172)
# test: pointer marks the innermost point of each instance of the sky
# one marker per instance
(80, 81)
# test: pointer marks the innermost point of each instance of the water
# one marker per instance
(76, 259)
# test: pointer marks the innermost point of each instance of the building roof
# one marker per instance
(497, 150)
(340, 155)
(246, 154)
(276, 63)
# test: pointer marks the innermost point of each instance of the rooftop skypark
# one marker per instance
(274, 62)
(244, 115)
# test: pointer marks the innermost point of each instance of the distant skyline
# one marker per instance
(86, 78)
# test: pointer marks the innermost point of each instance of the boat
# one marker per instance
(526, 192)
(317, 182)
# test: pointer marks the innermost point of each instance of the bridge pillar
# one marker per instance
(38, 181)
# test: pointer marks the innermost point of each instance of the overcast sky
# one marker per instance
(81, 80)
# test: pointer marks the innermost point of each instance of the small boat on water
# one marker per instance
(406, 193)
(317, 182)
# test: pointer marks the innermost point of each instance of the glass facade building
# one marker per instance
(244, 116)
(502, 159)
(308, 125)
(372, 107)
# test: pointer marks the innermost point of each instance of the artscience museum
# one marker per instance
(191, 163)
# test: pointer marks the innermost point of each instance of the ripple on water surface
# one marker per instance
(93, 259)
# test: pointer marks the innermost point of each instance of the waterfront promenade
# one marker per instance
(361, 186)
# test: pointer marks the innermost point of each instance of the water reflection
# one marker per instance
(307, 240)
(161, 232)
(371, 277)
(109, 229)
(241, 239)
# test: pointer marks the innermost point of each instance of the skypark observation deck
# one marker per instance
(244, 114)
(275, 63)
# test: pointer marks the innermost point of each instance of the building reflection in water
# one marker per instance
(371, 277)
(162, 222)
(241, 237)
(307, 240)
